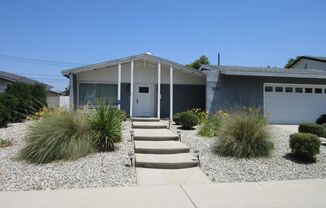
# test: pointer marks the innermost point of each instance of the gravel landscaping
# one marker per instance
(277, 167)
(82, 173)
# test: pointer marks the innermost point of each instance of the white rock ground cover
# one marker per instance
(82, 173)
(276, 167)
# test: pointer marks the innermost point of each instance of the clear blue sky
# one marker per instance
(250, 33)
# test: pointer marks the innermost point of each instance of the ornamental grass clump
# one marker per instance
(244, 135)
(105, 122)
(62, 135)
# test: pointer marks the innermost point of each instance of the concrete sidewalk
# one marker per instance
(296, 194)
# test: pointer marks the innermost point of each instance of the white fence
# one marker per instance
(58, 102)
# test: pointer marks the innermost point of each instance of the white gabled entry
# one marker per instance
(294, 103)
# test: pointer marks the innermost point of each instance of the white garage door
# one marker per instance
(293, 104)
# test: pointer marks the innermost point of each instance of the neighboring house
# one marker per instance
(7, 78)
(285, 95)
(309, 62)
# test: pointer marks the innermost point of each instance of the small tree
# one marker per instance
(203, 60)
(291, 61)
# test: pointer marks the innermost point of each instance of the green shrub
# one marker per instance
(106, 124)
(211, 126)
(201, 114)
(4, 116)
(305, 146)
(22, 92)
(312, 128)
(5, 143)
(188, 120)
(10, 102)
(39, 97)
(62, 135)
(176, 118)
(123, 115)
(244, 134)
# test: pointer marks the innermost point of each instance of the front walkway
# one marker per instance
(289, 194)
(161, 158)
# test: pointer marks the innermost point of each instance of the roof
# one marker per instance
(267, 71)
(146, 56)
(315, 58)
(17, 78)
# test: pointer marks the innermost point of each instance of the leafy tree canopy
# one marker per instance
(203, 60)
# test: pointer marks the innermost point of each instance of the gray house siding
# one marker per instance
(125, 97)
(225, 92)
(184, 98)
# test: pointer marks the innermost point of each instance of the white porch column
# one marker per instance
(119, 86)
(171, 93)
(159, 90)
(131, 86)
(71, 91)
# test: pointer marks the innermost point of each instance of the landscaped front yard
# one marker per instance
(84, 172)
(276, 167)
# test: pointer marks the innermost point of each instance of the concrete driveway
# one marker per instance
(287, 127)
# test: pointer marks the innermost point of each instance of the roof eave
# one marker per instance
(66, 73)
(273, 74)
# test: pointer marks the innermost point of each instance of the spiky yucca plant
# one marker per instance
(106, 125)
(244, 134)
(62, 135)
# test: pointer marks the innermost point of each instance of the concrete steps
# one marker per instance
(144, 119)
(166, 161)
(160, 158)
(154, 135)
(160, 147)
(149, 125)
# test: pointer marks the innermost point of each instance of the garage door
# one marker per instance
(293, 104)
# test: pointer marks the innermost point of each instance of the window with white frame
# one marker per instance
(92, 93)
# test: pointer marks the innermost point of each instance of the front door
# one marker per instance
(142, 100)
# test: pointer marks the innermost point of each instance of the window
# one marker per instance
(278, 89)
(308, 90)
(143, 90)
(306, 66)
(298, 90)
(318, 90)
(268, 89)
(92, 93)
(288, 89)
(325, 91)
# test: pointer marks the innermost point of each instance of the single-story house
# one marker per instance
(159, 87)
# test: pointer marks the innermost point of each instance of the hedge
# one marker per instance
(20, 100)
(312, 128)
(305, 146)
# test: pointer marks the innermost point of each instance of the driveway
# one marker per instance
(287, 127)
